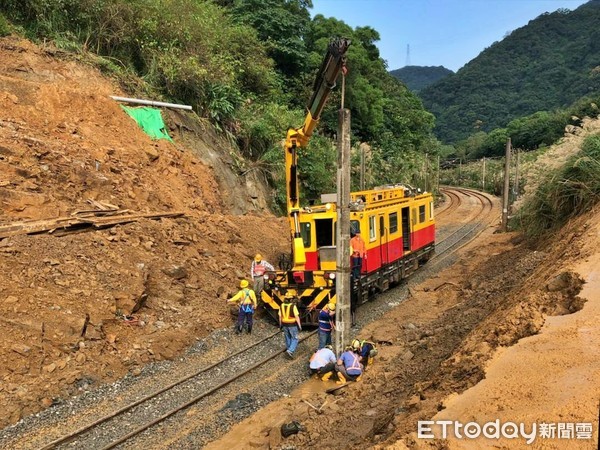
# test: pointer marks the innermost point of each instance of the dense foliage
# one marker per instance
(548, 64)
(538, 130)
(418, 78)
(248, 66)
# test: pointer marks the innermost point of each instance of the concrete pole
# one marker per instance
(483, 176)
(362, 167)
(516, 186)
(506, 186)
(342, 276)
(438, 175)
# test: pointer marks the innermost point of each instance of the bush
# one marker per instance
(564, 193)
(4, 26)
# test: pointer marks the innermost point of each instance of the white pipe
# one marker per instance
(150, 102)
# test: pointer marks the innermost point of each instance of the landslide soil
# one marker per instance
(65, 146)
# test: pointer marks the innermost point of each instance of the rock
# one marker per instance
(558, 283)
(407, 355)
(414, 400)
(177, 272)
(80, 358)
(11, 299)
(21, 349)
(61, 364)
(151, 153)
(50, 368)
(46, 402)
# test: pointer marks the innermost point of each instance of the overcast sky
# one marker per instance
(446, 33)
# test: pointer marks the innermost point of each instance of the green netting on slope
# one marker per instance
(150, 120)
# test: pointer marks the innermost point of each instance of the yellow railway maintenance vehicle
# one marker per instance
(396, 223)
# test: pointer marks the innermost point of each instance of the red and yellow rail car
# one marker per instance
(398, 227)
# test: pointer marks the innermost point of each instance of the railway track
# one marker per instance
(482, 218)
(135, 422)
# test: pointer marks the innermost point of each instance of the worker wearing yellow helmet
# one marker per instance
(246, 298)
(326, 324)
(289, 322)
(366, 349)
(257, 272)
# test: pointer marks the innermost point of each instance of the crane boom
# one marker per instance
(333, 62)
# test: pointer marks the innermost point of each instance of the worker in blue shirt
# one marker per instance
(348, 366)
(326, 324)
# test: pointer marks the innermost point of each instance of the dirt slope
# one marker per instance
(65, 146)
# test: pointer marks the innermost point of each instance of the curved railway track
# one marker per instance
(133, 424)
(451, 205)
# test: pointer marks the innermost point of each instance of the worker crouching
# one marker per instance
(348, 366)
(247, 306)
(322, 363)
(366, 350)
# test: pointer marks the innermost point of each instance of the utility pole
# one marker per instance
(362, 167)
(483, 176)
(438, 175)
(506, 186)
(516, 187)
(342, 277)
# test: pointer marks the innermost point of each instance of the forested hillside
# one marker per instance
(246, 65)
(418, 78)
(550, 63)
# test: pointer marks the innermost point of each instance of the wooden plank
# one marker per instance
(64, 223)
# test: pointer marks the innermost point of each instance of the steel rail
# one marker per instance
(199, 397)
(126, 408)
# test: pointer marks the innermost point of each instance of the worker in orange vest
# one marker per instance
(257, 271)
(358, 252)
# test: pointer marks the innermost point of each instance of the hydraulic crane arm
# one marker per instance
(333, 62)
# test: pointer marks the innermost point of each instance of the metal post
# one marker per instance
(342, 277)
(506, 186)
(150, 102)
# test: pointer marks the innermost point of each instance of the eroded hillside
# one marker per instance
(66, 148)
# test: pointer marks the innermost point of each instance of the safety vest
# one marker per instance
(355, 364)
(319, 359)
(324, 321)
(288, 315)
(247, 305)
(259, 269)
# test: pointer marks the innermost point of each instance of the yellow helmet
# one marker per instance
(258, 257)
(331, 306)
(356, 345)
(243, 284)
